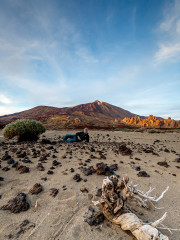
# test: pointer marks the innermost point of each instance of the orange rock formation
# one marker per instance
(152, 121)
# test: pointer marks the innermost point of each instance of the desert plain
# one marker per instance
(53, 164)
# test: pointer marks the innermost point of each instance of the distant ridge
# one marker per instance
(97, 114)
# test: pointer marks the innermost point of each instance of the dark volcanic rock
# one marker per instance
(88, 171)
(164, 164)
(43, 158)
(50, 172)
(53, 192)
(26, 160)
(44, 178)
(77, 178)
(6, 156)
(21, 155)
(99, 192)
(124, 150)
(104, 169)
(50, 147)
(21, 229)
(143, 174)
(5, 169)
(56, 163)
(15, 165)
(22, 169)
(93, 217)
(72, 170)
(37, 188)
(17, 204)
(46, 141)
(1, 179)
(10, 161)
(40, 167)
(177, 160)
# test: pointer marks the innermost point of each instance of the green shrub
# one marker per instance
(154, 131)
(24, 129)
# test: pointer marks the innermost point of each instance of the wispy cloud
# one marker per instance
(169, 30)
(166, 52)
(4, 99)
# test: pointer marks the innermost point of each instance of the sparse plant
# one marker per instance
(24, 129)
(154, 131)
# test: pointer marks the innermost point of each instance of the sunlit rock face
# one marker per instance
(152, 121)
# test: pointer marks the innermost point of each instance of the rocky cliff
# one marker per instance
(152, 122)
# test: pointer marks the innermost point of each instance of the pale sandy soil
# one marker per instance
(62, 217)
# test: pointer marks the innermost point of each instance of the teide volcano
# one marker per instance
(92, 115)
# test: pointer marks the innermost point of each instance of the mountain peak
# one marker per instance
(97, 101)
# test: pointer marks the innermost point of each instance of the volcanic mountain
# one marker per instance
(93, 115)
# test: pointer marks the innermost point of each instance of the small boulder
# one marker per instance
(17, 204)
(37, 188)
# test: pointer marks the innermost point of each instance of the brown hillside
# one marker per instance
(93, 115)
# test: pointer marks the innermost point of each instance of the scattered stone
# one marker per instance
(26, 160)
(15, 165)
(77, 177)
(93, 217)
(40, 167)
(125, 151)
(56, 163)
(45, 141)
(21, 155)
(138, 168)
(143, 174)
(104, 169)
(88, 160)
(5, 169)
(177, 160)
(72, 170)
(99, 192)
(50, 172)
(44, 178)
(43, 158)
(166, 150)
(22, 228)
(6, 156)
(164, 164)
(50, 147)
(1, 179)
(23, 169)
(84, 190)
(64, 188)
(37, 188)
(88, 171)
(17, 204)
(53, 192)
(10, 161)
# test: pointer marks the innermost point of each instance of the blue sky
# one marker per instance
(64, 53)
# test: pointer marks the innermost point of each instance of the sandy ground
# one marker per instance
(62, 217)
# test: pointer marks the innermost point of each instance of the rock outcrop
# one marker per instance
(152, 121)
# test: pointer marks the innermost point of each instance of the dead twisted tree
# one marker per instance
(115, 200)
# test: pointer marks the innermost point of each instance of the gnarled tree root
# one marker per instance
(114, 199)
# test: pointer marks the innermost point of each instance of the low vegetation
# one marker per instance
(24, 129)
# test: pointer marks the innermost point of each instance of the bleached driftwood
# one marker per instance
(115, 201)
